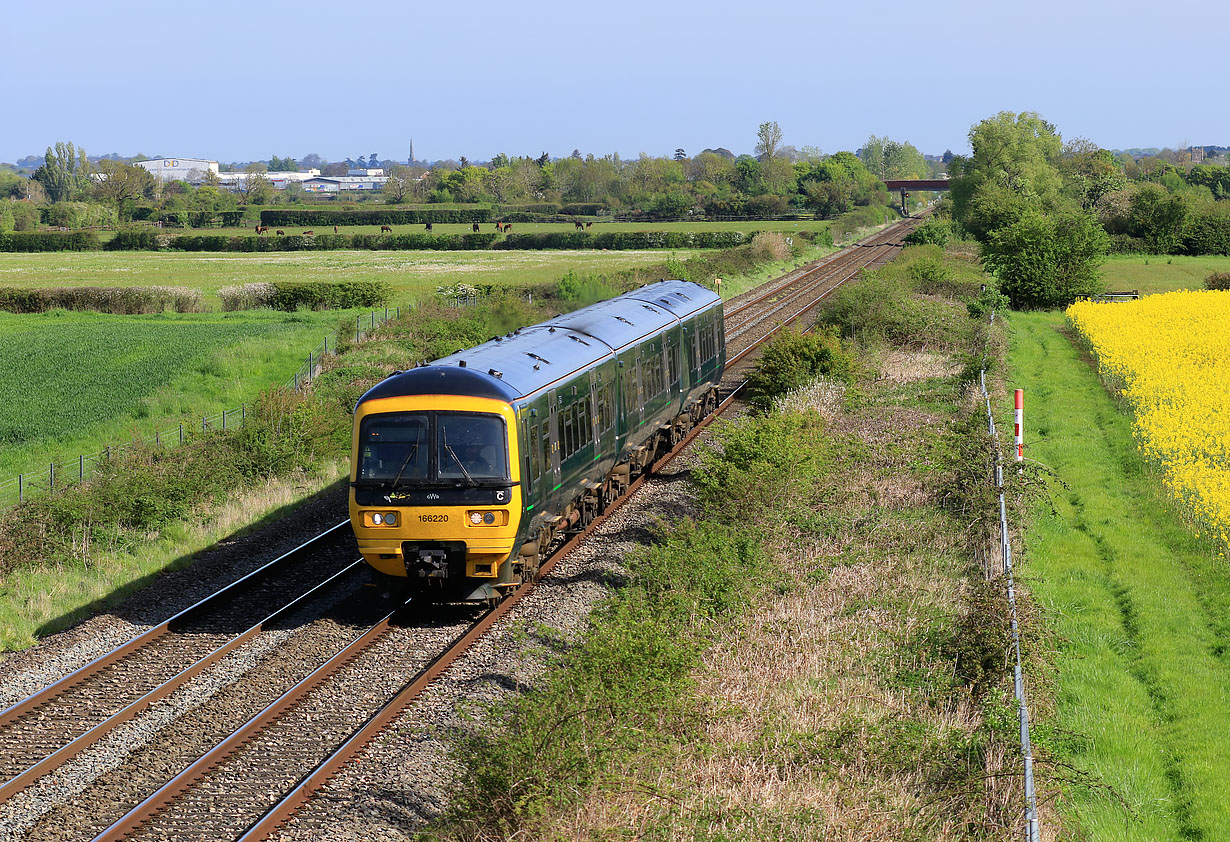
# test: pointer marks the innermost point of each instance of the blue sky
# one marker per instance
(236, 81)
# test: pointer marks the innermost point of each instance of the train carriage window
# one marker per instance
(695, 345)
(610, 406)
(535, 451)
(672, 361)
(566, 433)
(585, 432)
(546, 443)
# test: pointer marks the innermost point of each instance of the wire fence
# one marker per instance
(1005, 546)
(60, 475)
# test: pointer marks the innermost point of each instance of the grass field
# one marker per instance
(411, 273)
(1154, 273)
(87, 380)
(1139, 609)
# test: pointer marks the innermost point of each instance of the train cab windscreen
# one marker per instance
(401, 448)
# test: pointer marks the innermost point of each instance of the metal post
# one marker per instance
(81, 468)
(311, 369)
(20, 489)
(358, 335)
(108, 451)
(1017, 435)
(157, 438)
(181, 432)
(243, 409)
(325, 353)
(373, 319)
(204, 424)
(224, 420)
(51, 477)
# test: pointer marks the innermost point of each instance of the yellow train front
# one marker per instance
(465, 471)
(435, 494)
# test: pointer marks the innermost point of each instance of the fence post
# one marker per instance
(181, 432)
(224, 420)
(358, 335)
(325, 353)
(204, 424)
(51, 478)
(373, 319)
(311, 370)
(20, 488)
(157, 438)
(244, 409)
(107, 449)
(81, 468)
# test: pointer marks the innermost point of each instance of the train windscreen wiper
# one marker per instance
(402, 469)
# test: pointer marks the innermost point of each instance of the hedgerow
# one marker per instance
(25, 241)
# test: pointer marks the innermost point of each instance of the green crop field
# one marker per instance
(76, 382)
(411, 273)
(1152, 273)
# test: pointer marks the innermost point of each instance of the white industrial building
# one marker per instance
(279, 180)
(339, 183)
(191, 170)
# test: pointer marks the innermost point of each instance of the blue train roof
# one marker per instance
(525, 361)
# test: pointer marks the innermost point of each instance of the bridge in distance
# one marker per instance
(905, 185)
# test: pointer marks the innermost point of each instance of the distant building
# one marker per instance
(279, 180)
(366, 171)
(337, 184)
(191, 170)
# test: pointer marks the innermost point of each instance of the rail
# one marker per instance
(1005, 545)
(59, 475)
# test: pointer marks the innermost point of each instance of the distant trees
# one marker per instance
(768, 138)
(120, 182)
(286, 164)
(1038, 233)
(65, 173)
(400, 185)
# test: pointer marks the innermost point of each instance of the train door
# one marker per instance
(673, 377)
(595, 392)
(552, 435)
(638, 390)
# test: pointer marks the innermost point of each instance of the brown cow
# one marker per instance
(507, 227)
(579, 225)
(334, 229)
(589, 225)
(384, 229)
(258, 229)
(280, 232)
(309, 233)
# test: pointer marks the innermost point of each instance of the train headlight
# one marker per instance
(498, 517)
(380, 518)
(476, 518)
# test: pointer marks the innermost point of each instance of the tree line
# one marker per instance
(714, 183)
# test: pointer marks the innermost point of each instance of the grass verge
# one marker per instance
(1140, 738)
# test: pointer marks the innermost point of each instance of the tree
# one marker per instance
(312, 161)
(400, 184)
(680, 155)
(1047, 260)
(122, 182)
(65, 173)
(255, 187)
(768, 138)
(1018, 153)
(286, 164)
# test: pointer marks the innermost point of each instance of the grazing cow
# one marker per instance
(475, 227)
(262, 229)
(309, 233)
(428, 226)
(507, 227)
(334, 229)
(258, 229)
(384, 229)
(281, 232)
(579, 225)
(589, 225)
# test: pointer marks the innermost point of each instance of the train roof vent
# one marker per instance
(684, 297)
(649, 308)
(535, 356)
(622, 319)
(578, 339)
(461, 363)
(495, 373)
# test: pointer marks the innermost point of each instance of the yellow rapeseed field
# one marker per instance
(1170, 357)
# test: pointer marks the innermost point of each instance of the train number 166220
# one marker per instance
(433, 518)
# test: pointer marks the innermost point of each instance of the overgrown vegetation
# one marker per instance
(812, 657)
(790, 360)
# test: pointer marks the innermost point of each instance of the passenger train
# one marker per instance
(466, 469)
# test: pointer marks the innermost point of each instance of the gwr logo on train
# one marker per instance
(465, 470)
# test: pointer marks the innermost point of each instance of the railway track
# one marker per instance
(242, 774)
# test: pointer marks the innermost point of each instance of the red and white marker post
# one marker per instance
(1020, 439)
